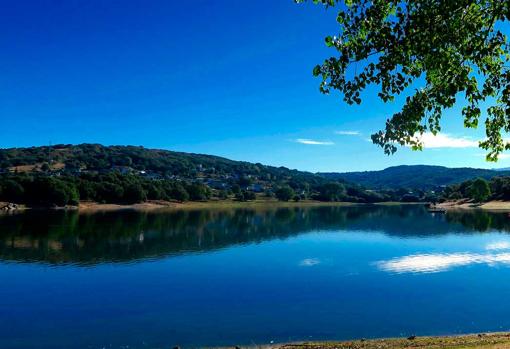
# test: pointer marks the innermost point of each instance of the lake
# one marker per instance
(236, 277)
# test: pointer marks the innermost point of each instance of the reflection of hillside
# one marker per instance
(69, 237)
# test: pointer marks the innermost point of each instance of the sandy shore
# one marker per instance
(89, 206)
(223, 204)
(463, 204)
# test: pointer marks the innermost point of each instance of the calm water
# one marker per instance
(155, 280)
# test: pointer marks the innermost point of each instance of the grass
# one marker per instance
(259, 203)
(35, 167)
(213, 204)
(482, 341)
(471, 341)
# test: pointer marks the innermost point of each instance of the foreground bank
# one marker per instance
(483, 341)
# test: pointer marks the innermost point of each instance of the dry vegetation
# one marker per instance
(213, 204)
(482, 341)
(36, 167)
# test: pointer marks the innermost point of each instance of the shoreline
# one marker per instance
(491, 340)
(88, 206)
(495, 205)
(215, 204)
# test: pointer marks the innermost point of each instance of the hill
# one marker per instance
(416, 176)
(66, 174)
(154, 163)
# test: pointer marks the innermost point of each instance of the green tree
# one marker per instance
(51, 191)
(222, 194)
(236, 189)
(500, 186)
(134, 193)
(87, 190)
(45, 167)
(480, 190)
(198, 192)
(455, 196)
(109, 192)
(249, 195)
(179, 193)
(155, 191)
(12, 191)
(240, 196)
(331, 192)
(244, 181)
(284, 193)
(432, 51)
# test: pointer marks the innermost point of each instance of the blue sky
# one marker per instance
(230, 78)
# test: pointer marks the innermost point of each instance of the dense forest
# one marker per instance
(479, 190)
(153, 162)
(63, 175)
(67, 174)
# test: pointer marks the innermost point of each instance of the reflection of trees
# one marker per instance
(479, 220)
(70, 237)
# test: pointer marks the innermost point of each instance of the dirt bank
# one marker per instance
(464, 204)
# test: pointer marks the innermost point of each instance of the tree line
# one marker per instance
(479, 190)
(41, 190)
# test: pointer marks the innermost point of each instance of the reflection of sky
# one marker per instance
(498, 245)
(309, 262)
(439, 262)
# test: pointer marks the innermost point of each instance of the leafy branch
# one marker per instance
(448, 48)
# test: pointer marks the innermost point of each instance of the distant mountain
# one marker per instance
(416, 176)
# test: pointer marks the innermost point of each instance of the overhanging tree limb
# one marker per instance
(452, 48)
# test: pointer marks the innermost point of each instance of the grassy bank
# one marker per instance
(482, 341)
(220, 204)
(212, 204)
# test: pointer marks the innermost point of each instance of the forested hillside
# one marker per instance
(65, 174)
(96, 157)
(418, 176)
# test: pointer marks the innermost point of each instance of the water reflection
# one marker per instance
(236, 277)
(498, 245)
(87, 239)
(434, 263)
(440, 262)
(309, 262)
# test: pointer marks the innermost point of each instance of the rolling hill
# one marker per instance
(215, 170)
(414, 176)
(157, 162)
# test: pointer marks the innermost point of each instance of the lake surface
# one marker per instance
(211, 277)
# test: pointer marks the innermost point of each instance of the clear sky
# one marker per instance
(223, 77)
